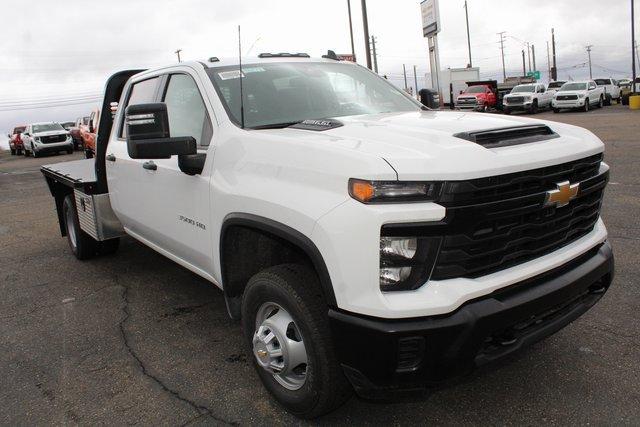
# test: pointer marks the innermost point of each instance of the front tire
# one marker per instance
(534, 107)
(601, 102)
(556, 110)
(283, 314)
(82, 245)
(13, 151)
(586, 106)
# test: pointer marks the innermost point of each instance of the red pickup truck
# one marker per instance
(479, 96)
(15, 140)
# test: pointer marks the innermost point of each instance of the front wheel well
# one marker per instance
(250, 244)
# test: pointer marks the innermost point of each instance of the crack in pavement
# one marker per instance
(201, 409)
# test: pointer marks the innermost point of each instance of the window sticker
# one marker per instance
(228, 75)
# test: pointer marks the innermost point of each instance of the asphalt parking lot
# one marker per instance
(135, 339)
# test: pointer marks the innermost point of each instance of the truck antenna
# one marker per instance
(240, 66)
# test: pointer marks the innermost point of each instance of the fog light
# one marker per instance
(398, 247)
(394, 276)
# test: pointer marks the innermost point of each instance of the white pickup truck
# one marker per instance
(530, 98)
(611, 90)
(366, 243)
(578, 95)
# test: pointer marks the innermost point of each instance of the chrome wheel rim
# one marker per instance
(278, 346)
(71, 228)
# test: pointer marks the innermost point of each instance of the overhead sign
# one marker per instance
(430, 17)
(534, 74)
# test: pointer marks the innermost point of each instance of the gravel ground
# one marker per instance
(135, 339)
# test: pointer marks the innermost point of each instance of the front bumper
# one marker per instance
(577, 103)
(53, 148)
(382, 357)
(517, 107)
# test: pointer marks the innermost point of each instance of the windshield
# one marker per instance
(47, 127)
(281, 93)
(573, 86)
(476, 89)
(555, 85)
(602, 82)
(524, 89)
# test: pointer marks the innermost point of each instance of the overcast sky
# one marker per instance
(54, 52)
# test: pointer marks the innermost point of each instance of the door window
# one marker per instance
(142, 92)
(187, 112)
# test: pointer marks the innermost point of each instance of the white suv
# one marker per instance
(50, 137)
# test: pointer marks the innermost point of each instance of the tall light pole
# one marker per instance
(365, 25)
(548, 62)
(504, 70)
(528, 54)
(554, 69)
(533, 55)
(466, 12)
(353, 47)
(404, 71)
(589, 53)
(415, 80)
(524, 64)
(375, 54)
(633, 45)
(177, 52)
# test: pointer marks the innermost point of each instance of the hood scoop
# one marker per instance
(505, 137)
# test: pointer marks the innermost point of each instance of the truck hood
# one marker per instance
(51, 133)
(525, 94)
(422, 145)
(572, 92)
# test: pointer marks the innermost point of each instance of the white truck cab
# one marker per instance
(611, 89)
(578, 95)
(366, 243)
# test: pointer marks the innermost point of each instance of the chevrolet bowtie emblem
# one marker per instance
(562, 195)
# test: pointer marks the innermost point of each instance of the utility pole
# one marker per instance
(415, 80)
(504, 70)
(554, 69)
(589, 53)
(528, 55)
(524, 64)
(375, 55)
(533, 55)
(404, 71)
(466, 12)
(177, 52)
(353, 47)
(365, 25)
(633, 44)
(548, 62)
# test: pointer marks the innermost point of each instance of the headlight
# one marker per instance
(393, 191)
(37, 139)
(581, 96)
(406, 262)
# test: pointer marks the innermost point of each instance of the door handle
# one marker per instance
(111, 157)
(150, 166)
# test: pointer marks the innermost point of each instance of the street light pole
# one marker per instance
(353, 47)
(177, 52)
(466, 12)
(415, 80)
(365, 25)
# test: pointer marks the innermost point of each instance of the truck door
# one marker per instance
(156, 201)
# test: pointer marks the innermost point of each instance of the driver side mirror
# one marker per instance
(148, 137)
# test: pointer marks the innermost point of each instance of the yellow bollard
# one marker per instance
(634, 102)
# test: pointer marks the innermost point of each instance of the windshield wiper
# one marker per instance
(275, 125)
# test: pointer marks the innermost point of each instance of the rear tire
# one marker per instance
(82, 245)
(294, 290)
(88, 154)
(13, 151)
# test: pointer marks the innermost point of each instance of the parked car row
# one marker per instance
(530, 97)
(47, 137)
